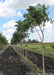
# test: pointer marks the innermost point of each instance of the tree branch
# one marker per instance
(38, 33)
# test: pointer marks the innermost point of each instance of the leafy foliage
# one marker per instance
(32, 41)
(35, 16)
(20, 34)
(17, 37)
(3, 39)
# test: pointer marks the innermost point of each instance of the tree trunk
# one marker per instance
(43, 53)
(43, 59)
(26, 54)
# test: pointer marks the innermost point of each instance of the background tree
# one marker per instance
(17, 37)
(20, 33)
(29, 41)
(36, 17)
(32, 41)
(3, 40)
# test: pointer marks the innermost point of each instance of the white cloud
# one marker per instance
(49, 37)
(19, 14)
(10, 24)
(7, 8)
(23, 4)
(7, 35)
(10, 31)
(8, 38)
(7, 12)
(48, 25)
(48, 33)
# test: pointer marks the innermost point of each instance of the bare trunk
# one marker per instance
(43, 53)
(43, 60)
(42, 39)
(26, 54)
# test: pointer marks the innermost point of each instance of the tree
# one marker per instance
(20, 27)
(17, 37)
(32, 41)
(29, 41)
(36, 17)
(3, 40)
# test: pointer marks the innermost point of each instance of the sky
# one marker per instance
(13, 10)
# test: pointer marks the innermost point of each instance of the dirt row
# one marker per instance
(37, 59)
(10, 63)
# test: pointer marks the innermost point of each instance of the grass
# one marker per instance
(48, 49)
(1, 73)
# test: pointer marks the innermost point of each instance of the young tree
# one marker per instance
(36, 17)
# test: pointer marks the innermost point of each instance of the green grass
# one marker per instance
(1, 73)
(48, 49)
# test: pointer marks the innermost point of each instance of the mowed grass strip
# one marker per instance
(48, 48)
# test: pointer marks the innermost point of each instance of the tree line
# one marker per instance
(30, 41)
(3, 40)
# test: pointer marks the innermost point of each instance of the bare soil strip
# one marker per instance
(37, 59)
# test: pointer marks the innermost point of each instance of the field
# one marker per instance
(24, 59)
(48, 48)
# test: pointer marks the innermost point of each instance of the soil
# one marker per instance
(37, 59)
(10, 63)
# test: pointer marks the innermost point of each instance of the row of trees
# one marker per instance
(35, 17)
(3, 40)
(19, 35)
(30, 41)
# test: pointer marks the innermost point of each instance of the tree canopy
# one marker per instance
(20, 33)
(3, 40)
(35, 16)
(32, 41)
(18, 37)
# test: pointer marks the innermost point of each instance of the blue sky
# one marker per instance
(13, 10)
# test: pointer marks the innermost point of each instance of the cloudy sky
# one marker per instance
(13, 10)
